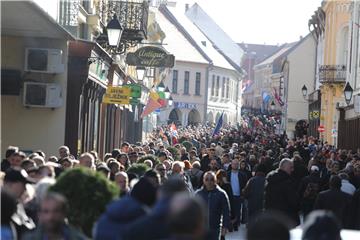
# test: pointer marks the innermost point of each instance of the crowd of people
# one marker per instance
(197, 185)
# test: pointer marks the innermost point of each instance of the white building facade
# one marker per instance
(203, 83)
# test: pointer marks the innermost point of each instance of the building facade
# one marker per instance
(203, 82)
(29, 119)
(334, 28)
(80, 67)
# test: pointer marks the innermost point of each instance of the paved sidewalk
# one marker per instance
(239, 235)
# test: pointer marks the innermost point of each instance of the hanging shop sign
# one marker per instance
(135, 90)
(117, 95)
(150, 57)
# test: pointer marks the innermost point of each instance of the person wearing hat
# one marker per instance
(15, 183)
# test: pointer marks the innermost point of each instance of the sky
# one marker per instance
(261, 21)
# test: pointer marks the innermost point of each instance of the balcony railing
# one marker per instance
(332, 74)
(133, 17)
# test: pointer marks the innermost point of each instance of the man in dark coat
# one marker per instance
(335, 200)
(237, 179)
(254, 191)
(217, 204)
(205, 161)
(155, 225)
(280, 193)
(126, 210)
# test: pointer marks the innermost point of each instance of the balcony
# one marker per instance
(133, 17)
(332, 74)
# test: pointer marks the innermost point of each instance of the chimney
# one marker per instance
(186, 7)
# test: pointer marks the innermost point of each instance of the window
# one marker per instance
(197, 83)
(175, 81)
(213, 86)
(227, 87)
(217, 85)
(223, 86)
(186, 82)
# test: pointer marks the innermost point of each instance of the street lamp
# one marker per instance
(114, 31)
(304, 91)
(140, 72)
(348, 92)
(167, 93)
(170, 101)
(161, 87)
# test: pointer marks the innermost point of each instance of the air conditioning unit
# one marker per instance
(44, 60)
(44, 95)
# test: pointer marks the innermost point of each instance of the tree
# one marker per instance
(88, 192)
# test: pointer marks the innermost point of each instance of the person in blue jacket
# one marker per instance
(121, 213)
(218, 206)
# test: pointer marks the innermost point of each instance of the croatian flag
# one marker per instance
(218, 125)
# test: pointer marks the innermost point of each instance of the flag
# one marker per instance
(266, 97)
(218, 125)
(151, 105)
(246, 85)
(278, 98)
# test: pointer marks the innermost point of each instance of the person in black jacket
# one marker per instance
(221, 177)
(238, 181)
(335, 200)
(280, 193)
(218, 205)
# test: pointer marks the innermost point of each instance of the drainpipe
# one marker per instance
(207, 74)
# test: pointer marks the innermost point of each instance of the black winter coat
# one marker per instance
(281, 195)
(218, 207)
(336, 201)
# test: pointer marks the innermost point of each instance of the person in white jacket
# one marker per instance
(346, 186)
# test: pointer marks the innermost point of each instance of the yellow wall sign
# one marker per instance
(117, 95)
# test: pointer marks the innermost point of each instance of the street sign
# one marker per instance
(321, 128)
(134, 101)
(135, 90)
(117, 95)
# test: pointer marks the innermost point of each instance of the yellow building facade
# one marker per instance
(332, 73)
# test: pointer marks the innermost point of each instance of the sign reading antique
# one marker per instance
(150, 57)
(117, 95)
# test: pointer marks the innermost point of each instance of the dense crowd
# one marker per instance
(191, 183)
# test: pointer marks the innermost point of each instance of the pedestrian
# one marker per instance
(238, 181)
(155, 225)
(254, 191)
(187, 218)
(87, 160)
(335, 200)
(52, 224)
(280, 193)
(218, 205)
(15, 183)
(121, 213)
(221, 177)
(6, 163)
(122, 180)
(321, 225)
(270, 225)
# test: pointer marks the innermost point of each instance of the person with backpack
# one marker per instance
(309, 188)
